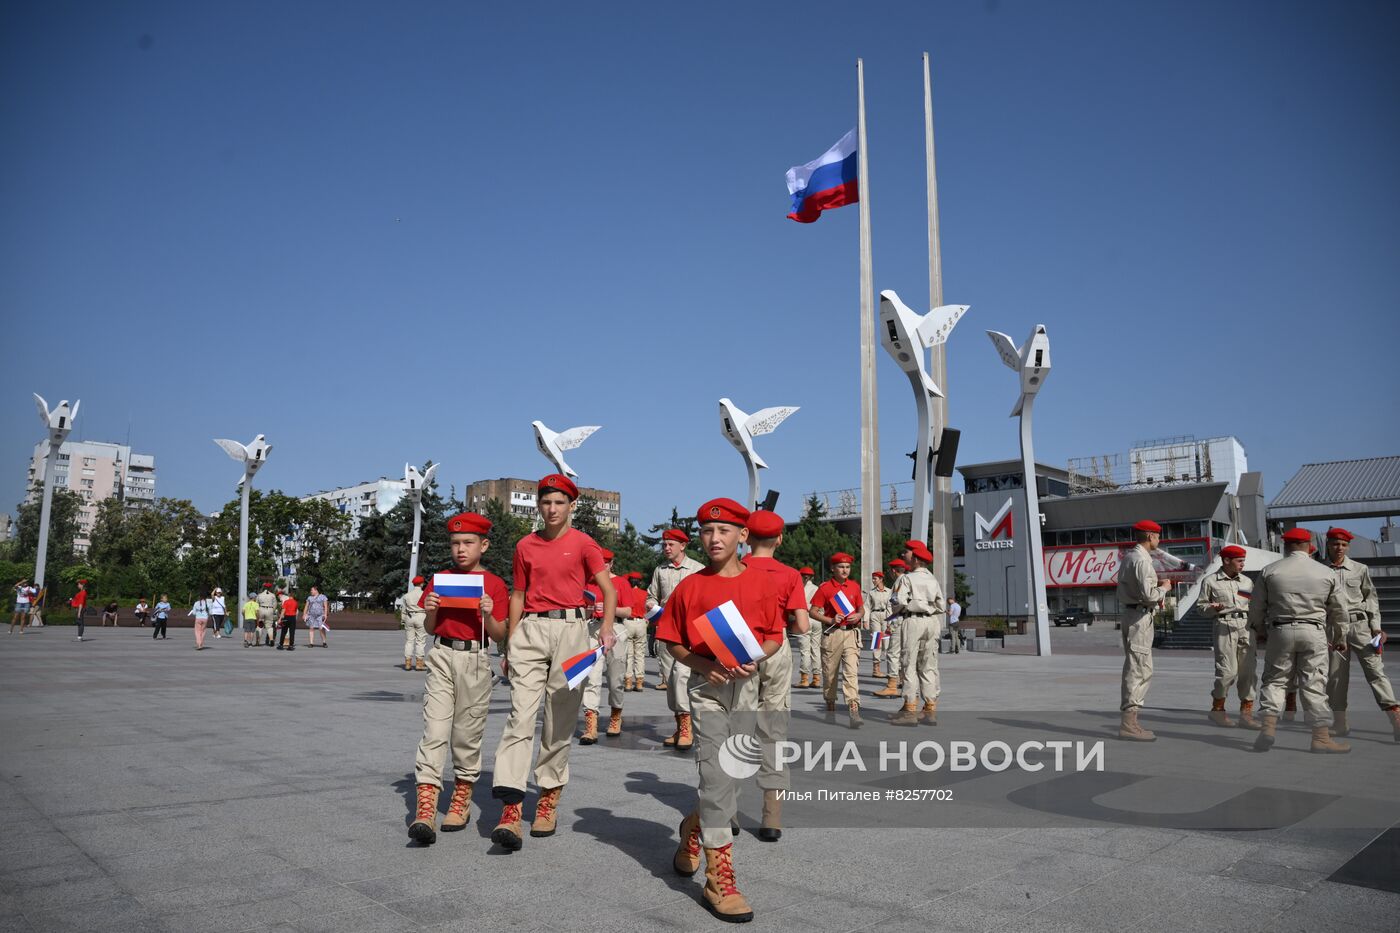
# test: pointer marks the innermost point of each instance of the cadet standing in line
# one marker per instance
(840, 635)
(774, 680)
(547, 627)
(877, 609)
(721, 701)
(268, 607)
(415, 634)
(1362, 635)
(920, 599)
(634, 649)
(457, 690)
(676, 566)
(1224, 597)
(612, 663)
(1139, 595)
(806, 648)
(894, 636)
(1297, 606)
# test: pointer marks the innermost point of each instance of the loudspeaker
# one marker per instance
(770, 501)
(947, 452)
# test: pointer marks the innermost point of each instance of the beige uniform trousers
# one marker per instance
(456, 695)
(1136, 634)
(894, 647)
(771, 693)
(717, 713)
(634, 649)
(919, 657)
(538, 649)
(414, 635)
(1236, 659)
(812, 651)
(797, 648)
(1296, 647)
(612, 665)
(841, 652)
(1358, 636)
(676, 677)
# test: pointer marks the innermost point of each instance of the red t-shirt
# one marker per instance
(464, 624)
(289, 607)
(786, 582)
(554, 574)
(639, 603)
(752, 593)
(624, 592)
(825, 598)
(79, 599)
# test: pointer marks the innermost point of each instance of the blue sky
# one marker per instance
(390, 232)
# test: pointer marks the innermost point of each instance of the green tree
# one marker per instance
(507, 529)
(588, 519)
(633, 552)
(377, 561)
(812, 541)
(962, 589)
(63, 528)
(686, 524)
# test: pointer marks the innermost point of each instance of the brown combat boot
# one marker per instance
(1340, 726)
(546, 813)
(1218, 714)
(1394, 714)
(507, 833)
(930, 713)
(661, 686)
(771, 829)
(1129, 729)
(1290, 706)
(684, 737)
(908, 715)
(853, 708)
(408, 664)
(721, 892)
(421, 829)
(1268, 725)
(459, 808)
(1247, 720)
(1322, 743)
(687, 858)
(816, 681)
(590, 728)
(615, 723)
(675, 736)
(804, 681)
(419, 665)
(891, 688)
(876, 671)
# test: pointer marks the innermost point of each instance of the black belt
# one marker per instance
(575, 613)
(457, 644)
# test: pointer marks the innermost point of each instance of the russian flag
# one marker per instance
(728, 636)
(843, 603)
(577, 667)
(825, 183)
(655, 612)
(460, 590)
(876, 640)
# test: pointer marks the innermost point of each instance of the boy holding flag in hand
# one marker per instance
(840, 609)
(460, 612)
(611, 665)
(720, 623)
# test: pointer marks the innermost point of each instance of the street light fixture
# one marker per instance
(741, 428)
(417, 483)
(58, 422)
(252, 455)
(553, 445)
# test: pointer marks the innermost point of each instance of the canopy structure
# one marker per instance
(1340, 489)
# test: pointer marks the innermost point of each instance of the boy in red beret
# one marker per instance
(634, 649)
(839, 608)
(1224, 597)
(457, 691)
(612, 664)
(675, 566)
(1139, 595)
(547, 627)
(725, 597)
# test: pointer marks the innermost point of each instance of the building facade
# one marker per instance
(363, 499)
(96, 471)
(518, 495)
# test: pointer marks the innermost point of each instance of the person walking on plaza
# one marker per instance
(894, 636)
(1139, 595)
(920, 599)
(806, 647)
(1362, 636)
(415, 634)
(634, 649)
(217, 612)
(547, 627)
(79, 604)
(142, 611)
(162, 617)
(1224, 597)
(200, 611)
(612, 664)
(24, 597)
(317, 616)
(954, 633)
(675, 566)
(1297, 606)
(250, 620)
(839, 609)
(457, 690)
(720, 698)
(877, 615)
(288, 636)
(268, 610)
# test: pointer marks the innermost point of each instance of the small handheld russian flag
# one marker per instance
(726, 633)
(842, 603)
(459, 590)
(577, 667)
(877, 639)
(655, 612)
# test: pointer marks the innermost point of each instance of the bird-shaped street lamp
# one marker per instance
(553, 445)
(252, 455)
(58, 422)
(740, 428)
(417, 483)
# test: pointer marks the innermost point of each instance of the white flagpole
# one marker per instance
(940, 541)
(871, 555)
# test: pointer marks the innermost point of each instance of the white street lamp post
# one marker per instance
(252, 456)
(741, 428)
(417, 483)
(59, 422)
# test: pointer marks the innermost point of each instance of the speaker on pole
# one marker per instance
(947, 452)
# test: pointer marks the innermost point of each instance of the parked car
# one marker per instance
(1073, 616)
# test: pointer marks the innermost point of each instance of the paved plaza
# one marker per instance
(151, 787)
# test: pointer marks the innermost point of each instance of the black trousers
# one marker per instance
(158, 627)
(81, 612)
(289, 632)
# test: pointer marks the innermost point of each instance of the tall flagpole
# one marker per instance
(939, 539)
(871, 550)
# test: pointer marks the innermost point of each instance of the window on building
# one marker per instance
(89, 461)
(1093, 536)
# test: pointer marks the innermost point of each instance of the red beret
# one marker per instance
(878, 573)
(417, 580)
(634, 575)
(557, 482)
(1297, 534)
(723, 510)
(675, 534)
(920, 550)
(1148, 525)
(841, 557)
(1232, 550)
(807, 572)
(267, 586)
(1340, 534)
(607, 555)
(915, 545)
(766, 524)
(469, 522)
(899, 562)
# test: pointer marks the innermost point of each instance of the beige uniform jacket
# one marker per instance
(667, 577)
(1358, 593)
(1230, 592)
(877, 606)
(1298, 589)
(408, 605)
(1137, 580)
(918, 594)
